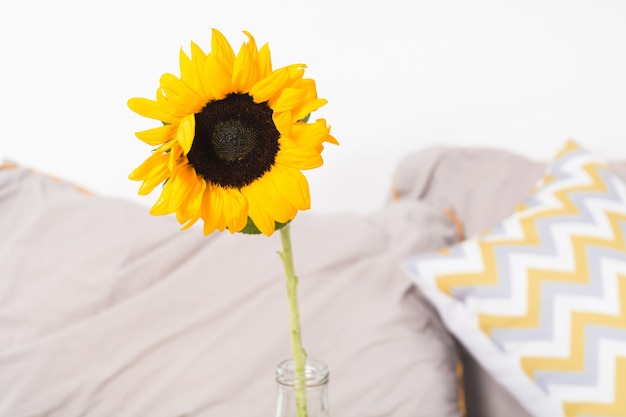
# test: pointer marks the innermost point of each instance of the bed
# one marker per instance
(108, 311)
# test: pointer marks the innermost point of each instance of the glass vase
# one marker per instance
(316, 376)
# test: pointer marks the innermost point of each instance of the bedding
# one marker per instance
(106, 310)
(480, 186)
(538, 299)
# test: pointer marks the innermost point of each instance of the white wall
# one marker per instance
(399, 75)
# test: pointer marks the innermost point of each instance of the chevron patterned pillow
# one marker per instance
(540, 300)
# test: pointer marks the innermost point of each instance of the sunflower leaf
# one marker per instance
(251, 229)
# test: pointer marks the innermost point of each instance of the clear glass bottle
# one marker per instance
(316, 375)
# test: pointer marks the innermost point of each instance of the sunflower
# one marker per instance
(233, 140)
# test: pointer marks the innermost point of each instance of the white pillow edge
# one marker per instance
(503, 368)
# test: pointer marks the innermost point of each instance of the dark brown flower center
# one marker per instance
(235, 141)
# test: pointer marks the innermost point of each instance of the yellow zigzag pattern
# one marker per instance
(489, 276)
(616, 409)
(536, 277)
(575, 362)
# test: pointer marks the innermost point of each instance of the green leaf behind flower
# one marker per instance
(251, 229)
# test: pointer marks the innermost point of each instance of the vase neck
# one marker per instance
(316, 380)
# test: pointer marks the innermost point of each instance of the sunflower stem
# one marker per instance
(298, 352)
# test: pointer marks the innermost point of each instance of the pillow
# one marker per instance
(108, 311)
(462, 180)
(540, 300)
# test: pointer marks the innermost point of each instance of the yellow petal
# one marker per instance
(186, 132)
(188, 223)
(175, 154)
(265, 61)
(165, 147)
(302, 148)
(306, 107)
(309, 102)
(289, 99)
(181, 182)
(216, 79)
(293, 187)
(251, 43)
(296, 72)
(268, 87)
(212, 210)
(321, 123)
(180, 95)
(245, 69)
(197, 54)
(276, 197)
(152, 172)
(169, 104)
(221, 49)
(157, 135)
(261, 218)
(151, 109)
(310, 134)
(235, 209)
(187, 72)
(301, 158)
(156, 177)
(282, 121)
(259, 206)
(278, 205)
(191, 69)
(193, 206)
(210, 75)
(190, 204)
(163, 204)
(141, 172)
(189, 211)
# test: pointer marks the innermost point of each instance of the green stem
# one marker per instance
(299, 355)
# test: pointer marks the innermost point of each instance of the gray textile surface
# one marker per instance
(107, 311)
(482, 187)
